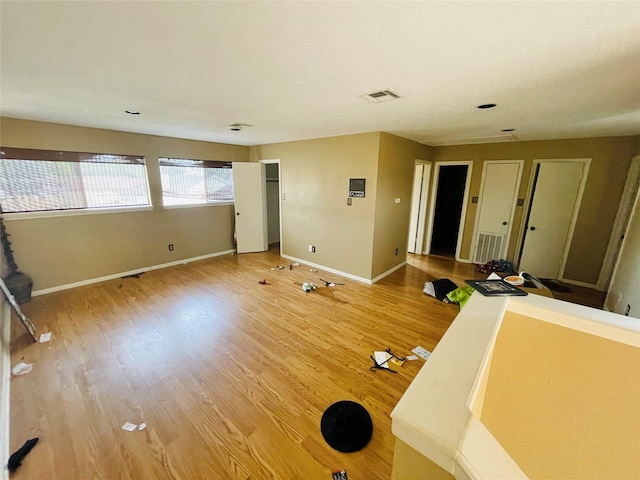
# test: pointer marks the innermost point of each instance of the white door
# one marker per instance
(250, 207)
(555, 200)
(419, 195)
(497, 201)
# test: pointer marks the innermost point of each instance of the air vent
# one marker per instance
(382, 96)
(489, 247)
(236, 127)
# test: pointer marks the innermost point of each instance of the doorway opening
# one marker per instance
(272, 188)
(452, 183)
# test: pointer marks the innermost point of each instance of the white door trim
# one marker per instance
(627, 200)
(277, 160)
(586, 162)
(513, 207)
(423, 202)
(432, 204)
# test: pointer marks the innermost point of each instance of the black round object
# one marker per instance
(346, 426)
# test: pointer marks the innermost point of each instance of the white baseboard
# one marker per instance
(579, 284)
(328, 269)
(389, 272)
(5, 376)
(130, 272)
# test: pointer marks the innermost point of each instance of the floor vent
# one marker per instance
(489, 248)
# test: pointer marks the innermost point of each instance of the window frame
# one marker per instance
(29, 154)
(193, 163)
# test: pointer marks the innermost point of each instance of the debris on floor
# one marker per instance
(412, 357)
(422, 352)
(134, 275)
(262, 281)
(45, 337)
(129, 427)
(16, 458)
(331, 284)
(22, 368)
(142, 426)
(339, 475)
(308, 286)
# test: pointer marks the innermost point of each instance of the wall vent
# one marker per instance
(489, 247)
(382, 95)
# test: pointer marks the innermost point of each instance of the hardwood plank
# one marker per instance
(231, 376)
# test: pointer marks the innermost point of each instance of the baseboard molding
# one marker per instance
(130, 272)
(328, 269)
(5, 376)
(579, 284)
(389, 272)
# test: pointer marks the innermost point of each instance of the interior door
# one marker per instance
(419, 196)
(552, 209)
(249, 184)
(498, 197)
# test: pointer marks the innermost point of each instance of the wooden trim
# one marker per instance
(5, 376)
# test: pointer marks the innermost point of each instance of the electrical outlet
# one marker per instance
(171, 247)
(313, 249)
(627, 310)
(396, 251)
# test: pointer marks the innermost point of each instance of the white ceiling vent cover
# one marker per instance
(382, 95)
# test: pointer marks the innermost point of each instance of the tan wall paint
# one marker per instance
(62, 250)
(396, 164)
(564, 403)
(315, 180)
(610, 156)
(408, 464)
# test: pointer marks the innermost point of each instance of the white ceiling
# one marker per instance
(296, 70)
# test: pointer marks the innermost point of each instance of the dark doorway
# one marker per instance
(448, 209)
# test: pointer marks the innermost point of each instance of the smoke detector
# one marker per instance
(236, 127)
(382, 95)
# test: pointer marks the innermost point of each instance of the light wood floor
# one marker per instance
(231, 376)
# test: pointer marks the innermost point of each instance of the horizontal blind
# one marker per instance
(43, 180)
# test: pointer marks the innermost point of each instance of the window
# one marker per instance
(187, 182)
(44, 180)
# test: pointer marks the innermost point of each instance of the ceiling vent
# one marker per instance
(382, 96)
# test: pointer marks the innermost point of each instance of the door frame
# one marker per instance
(423, 201)
(586, 163)
(277, 160)
(432, 204)
(630, 192)
(513, 207)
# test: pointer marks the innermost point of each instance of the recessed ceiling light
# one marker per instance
(132, 112)
(236, 127)
(486, 105)
(508, 130)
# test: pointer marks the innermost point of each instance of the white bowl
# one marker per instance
(514, 280)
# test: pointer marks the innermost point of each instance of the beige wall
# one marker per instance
(396, 163)
(566, 408)
(610, 156)
(62, 250)
(314, 178)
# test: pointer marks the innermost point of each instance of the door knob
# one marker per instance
(532, 228)
(504, 223)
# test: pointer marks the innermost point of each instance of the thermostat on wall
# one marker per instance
(356, 187)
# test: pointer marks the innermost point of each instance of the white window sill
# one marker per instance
(195, 205)
(73, 213)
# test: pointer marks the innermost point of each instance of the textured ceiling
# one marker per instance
(296, 70)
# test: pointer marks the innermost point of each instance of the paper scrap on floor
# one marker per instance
(412, 357)
(129, 427)
(422, 352)
(45, 337)
(382, 359)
